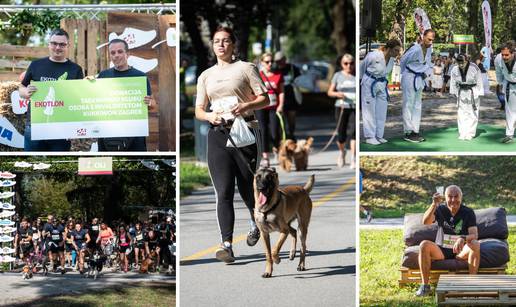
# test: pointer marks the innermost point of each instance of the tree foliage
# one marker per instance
(315, 29)
(449, 17)
(130, 191)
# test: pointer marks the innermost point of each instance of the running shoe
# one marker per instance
(41, 166)
(412, 137)
(265, 163)
(6, 238)
(382, 140)
(7, 250)
(22, 164)
(6, 206)
(424, 290)
(372, 141)
(6, 213)
(225, 253)
(6, 194)
(340, 159)
(7, 175)
(508, 139)
(7, 183)
(6, 223)
(253, 236)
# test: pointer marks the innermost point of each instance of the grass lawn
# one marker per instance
(142, 294)
(395, 185)
(192, 177)
(380, 259)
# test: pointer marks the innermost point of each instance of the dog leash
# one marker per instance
(334, 133)
(240, 154)
(282, 125)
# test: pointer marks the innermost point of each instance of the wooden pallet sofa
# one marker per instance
(494, 250)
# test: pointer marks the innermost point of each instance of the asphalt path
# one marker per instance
(330, 276)
(16, 290)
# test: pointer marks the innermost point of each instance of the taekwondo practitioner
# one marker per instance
(466, 83)
(506, 76)
(416, 65)
(373, 71)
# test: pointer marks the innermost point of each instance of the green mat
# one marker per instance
(446, 139)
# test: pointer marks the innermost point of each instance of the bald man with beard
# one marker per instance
(457, 235)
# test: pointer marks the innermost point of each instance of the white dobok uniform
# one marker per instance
(374, 93)
(415, 67)
(467, 86)
(506, 76)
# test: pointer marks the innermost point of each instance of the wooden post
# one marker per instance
(167, 82)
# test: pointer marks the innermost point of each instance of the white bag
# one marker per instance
(240, 133)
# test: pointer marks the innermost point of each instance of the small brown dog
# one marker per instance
(275, 209)
(148, 264)
(298, 152)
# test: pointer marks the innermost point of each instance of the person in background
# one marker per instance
(343, 87)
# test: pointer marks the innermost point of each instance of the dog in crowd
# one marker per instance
(95, 264)
(297, 152)
(275, 209)
(149, 263)
(27, 272)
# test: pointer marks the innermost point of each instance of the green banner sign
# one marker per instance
(112, 107)
(463, 39)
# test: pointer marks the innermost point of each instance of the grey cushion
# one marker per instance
(491, 223)
(493, 253)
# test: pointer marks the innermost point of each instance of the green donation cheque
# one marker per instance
(71, 109)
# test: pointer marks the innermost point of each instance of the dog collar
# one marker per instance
(270, 209)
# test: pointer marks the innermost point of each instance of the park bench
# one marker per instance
(485, 290)
(494, 250)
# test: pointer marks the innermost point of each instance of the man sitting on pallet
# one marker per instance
(456, 236)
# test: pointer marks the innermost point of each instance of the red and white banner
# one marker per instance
(422, 22)
(488, 31)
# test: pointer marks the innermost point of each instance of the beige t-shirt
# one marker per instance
(240, 79)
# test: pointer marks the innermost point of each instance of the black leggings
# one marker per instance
(225, 166)
(269, 125)
(346, 131)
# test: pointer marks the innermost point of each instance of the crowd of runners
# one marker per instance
(66, 244)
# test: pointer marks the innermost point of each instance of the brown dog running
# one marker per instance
(148, 264)
(275, 208)
(294, 151)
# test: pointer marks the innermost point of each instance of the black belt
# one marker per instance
(468, 87)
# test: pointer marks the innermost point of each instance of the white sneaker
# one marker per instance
(372, 141)
(6, 206)
(382, 140)
(22, 164)
(7, 183)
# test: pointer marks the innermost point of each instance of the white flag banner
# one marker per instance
(422, 21)
(488, 32)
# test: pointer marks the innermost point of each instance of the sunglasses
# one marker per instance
(55, 44)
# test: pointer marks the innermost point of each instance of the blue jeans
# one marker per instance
(44, 145)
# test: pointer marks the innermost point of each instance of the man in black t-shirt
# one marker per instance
(456, 236)
(289, 72)
(51, 68)
(118, 54)
(54, 240)
(23, 240)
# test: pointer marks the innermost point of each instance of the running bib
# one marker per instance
(273, 100)
(55, 237)
(449, 240)
(139, 237)
(95, 228)
(224, 105)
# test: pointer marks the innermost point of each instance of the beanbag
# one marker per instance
(493, 253)
(491, 223)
